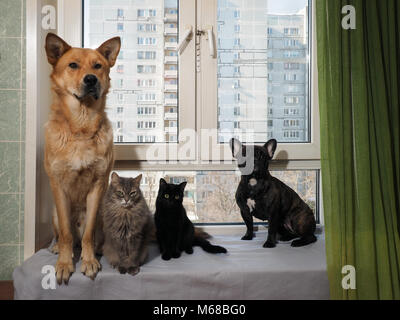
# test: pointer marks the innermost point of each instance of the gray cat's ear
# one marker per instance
(236, 147)
(271, 147)
(114, 178)
(182, 186)
(138, 179)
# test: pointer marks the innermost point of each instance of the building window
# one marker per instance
(120, 27)
(120, 13)
(237, 27)
(236, 13)
(236, 111)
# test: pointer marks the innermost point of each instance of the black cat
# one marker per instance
(175, 232)
(263, 196)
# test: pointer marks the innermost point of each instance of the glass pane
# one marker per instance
(210, 195)
(143, 101)
(263, 70)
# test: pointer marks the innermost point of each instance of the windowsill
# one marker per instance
(247, 271)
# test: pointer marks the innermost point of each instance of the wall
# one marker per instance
(12, 134)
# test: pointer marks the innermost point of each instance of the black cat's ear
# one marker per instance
(182, 186)
(137, 179)
(163, 183)
(271, 147)
(114, 178)
(236, 147)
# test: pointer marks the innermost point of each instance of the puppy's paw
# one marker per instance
(247, 237)
(133, 270)
(64, 269)
(90, 267)
(269, 244)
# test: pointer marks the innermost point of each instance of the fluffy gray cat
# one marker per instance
(127, 224)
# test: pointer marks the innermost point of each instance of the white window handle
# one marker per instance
(210, 36)
(187, 36)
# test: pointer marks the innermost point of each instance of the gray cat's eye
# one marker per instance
(133, 193)
(166, 196)
(120, 194)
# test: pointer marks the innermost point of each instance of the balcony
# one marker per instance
(173, 130)
(171, 73)
(171, 59)
(170, 31)
(170, 17)
(171, 88)
(170, 45)
(171, 102)
(170, 116)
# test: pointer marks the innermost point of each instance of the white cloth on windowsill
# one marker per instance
(248, 271)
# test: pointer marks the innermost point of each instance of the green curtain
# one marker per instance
(359, 84)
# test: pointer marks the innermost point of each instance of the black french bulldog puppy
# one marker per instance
(263, 196)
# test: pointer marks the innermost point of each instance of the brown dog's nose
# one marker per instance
(90, 80)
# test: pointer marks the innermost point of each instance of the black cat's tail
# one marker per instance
(207, 246)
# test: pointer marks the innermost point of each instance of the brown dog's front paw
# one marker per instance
(64, 269)
(90, 267)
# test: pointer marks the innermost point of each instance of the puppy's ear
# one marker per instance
(182, 186)
(55, 48)
(271, 147)
(110, 50)
(114, 178)
(236, 147)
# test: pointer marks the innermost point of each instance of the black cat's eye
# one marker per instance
(166, 196)
(133, 193)
(176, 197)
(73, 65)
(120, 194)
(97, 66)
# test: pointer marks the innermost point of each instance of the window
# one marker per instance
(120, 13)
(208, 194)
(257, 87)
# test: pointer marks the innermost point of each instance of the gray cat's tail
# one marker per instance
(207, 246)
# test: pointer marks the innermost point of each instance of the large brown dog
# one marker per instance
(79, 147)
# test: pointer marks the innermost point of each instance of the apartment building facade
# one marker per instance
(263, 72)
(143, 101)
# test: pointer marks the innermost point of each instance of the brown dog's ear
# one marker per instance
(110, 50)
(55, 48)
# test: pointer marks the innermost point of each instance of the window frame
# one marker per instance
(71, 14)
(202, 87)
(208, 95)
